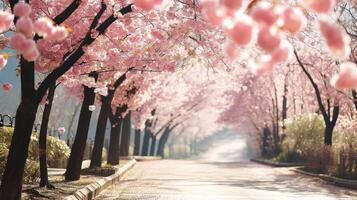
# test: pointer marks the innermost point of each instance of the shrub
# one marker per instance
(345, 153)
(56, 150)
(303, 135)
(303, 142)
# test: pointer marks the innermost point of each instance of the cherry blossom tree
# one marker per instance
(67, 40)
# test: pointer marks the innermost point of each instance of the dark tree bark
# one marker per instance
(265, 142)
(330, 121)
(284, 112)
(125, 136)
(74, 165)
(163, 140)
(11, 183)
(113, 152)
(153, 145)
(43, 138)
(96, 158)
(275, 121)
(146, 140)
(116, 121)
(137, 142)
(354, 95)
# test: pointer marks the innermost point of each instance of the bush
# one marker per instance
(56, 150)
(303, 142)
(303, 135)
(345, 154)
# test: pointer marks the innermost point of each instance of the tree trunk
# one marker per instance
(163, 140)
(146, 141)
(113, 152)
(354, 95)
(328, 134)
(96, 158)
(125, 136)
(153, 145)
(43, 137)
(284, 112)
(137, 142)
(265, 143)
(11, 183)
(74, 165)
(329, 123)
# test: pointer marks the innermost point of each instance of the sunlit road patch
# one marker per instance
(193, 180)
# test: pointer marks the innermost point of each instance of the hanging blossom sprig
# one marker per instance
(26, 28)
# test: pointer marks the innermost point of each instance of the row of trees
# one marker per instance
(104, 55)
(164, 68)
(312, 81)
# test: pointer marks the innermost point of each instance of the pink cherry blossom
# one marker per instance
(242, 31)
(347, 78)
(102, 91)
(6, 19)
(61, 130)
(264, 14)
(24, 25)
(147, 4)
(19, 42)
(22, 9)
(319, 6)
(261, 67)
(59, 33)
(7, 87)
(231, 50)
(26, 47)
(22, 44)
(336, 38)
(232, 4)
(212, 13)
(282, 54)
(43, 27)
(293, 20)
(268, 38)
(32, 54)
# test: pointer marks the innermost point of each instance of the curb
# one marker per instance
(274, 163)
(92, 190)
(141, 158)
(351, 184)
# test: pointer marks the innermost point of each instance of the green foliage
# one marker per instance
(288, 156)
(345, 153)
(303, 134)
(303, 142)
(56, 150)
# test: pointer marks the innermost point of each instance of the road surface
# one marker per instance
(195, 180)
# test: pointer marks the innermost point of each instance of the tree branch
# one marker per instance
(316, 88)
(76, 55)
(59, 19)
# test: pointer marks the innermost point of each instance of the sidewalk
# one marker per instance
(61, 171)
(87, 186)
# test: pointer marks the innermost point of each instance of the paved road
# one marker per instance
(194, 180)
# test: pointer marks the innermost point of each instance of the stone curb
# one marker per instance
(141, 158)
(92, 190)
(274, 163)
(351, 184)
